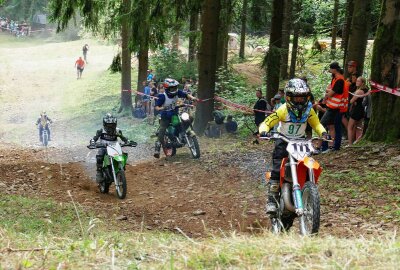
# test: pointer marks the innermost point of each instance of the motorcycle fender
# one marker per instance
(302, 169)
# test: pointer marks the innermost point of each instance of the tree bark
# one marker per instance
(335, 26)
(296, 34)
(223, 38)
(273, 56)
(143, 63)
(385, 120)
(175, 40)
(126, 86)
(194, 25)
(207, 63)
(287, 25)
(347, 29)
(243, 31)
(359, 33)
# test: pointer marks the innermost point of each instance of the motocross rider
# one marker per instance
(109, 133)
(166, 104)
(292, 117)
(43, 123)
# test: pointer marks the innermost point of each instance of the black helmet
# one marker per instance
(171, 87)
(110, 123)
(297, 97)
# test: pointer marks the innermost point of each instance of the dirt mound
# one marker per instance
(252, 72)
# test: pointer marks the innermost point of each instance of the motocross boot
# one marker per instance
(273, 197)
(99, 173)
(157, 149)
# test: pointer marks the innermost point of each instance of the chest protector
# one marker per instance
(170, 103)
(109, 137)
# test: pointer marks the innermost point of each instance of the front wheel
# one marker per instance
(45, 139)
(121, 184)
(310, 220)
(194, 146)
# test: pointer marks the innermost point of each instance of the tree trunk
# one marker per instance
(126, 95)
(385, 120)
(223, 38)
(243, 31)
(273, 56)
(347, 29)
(175, 40)
(359, 33)
(296, 34)
(207, 63)
(335, 26)
(143, 59)
(287, 25)
(194, 25)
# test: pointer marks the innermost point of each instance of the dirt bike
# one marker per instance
(44, 134)
(114, 163)
(180, 133)
(299, 195)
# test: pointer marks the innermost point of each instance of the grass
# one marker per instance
(43, 234)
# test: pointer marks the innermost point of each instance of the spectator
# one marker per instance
(153, 95)
(80, 66)
(85, 49)
(277, 102)
(161, 89)
(150, 75)
(146, 98)
(333, 96)
(281, 92)
(259, 111)
(357, 112)
(231, 125)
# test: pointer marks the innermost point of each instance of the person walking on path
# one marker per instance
(80, 65)
(85, 49)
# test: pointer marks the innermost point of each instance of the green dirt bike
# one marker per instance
(180, 133)
(114, 166)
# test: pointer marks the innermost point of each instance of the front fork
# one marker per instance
(113, 172)
(297, 196)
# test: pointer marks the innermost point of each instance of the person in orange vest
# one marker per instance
(334, 99)
(80, 65)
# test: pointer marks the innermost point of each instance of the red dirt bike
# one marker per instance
(299, 195)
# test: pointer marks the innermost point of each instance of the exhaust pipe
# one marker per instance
(287, 197)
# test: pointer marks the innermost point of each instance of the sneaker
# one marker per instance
(99, 177)
(271, 208)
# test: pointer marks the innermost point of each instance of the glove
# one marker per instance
(326, 136)
(265, 134)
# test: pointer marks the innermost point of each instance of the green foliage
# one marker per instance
(22, 9)
(116, 65)
(173, 64)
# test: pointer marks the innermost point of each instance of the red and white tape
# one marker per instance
(380, 87)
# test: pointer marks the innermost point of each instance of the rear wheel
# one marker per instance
(310, 220)
(194, 146)
(121, 184)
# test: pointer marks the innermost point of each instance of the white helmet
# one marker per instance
(297, 96)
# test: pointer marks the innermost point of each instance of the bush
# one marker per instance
(169, 63)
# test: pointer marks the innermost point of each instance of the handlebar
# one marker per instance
(102, 145)
(278, 135)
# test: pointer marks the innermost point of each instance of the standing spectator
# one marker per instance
(85, 49)
(281, 92)
(230, 125)
(277, 102)
(146, 98)
(80, 65)
(354, 130)
(153, 95)
(333, 96)
(259, 111)
(150, 75)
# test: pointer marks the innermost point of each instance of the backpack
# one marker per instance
(219, 117)
(139, 112)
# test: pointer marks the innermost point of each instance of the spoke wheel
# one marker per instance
(311, 203)
(121, 184)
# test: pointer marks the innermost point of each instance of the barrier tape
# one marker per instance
(380, 87)
(29, 31)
